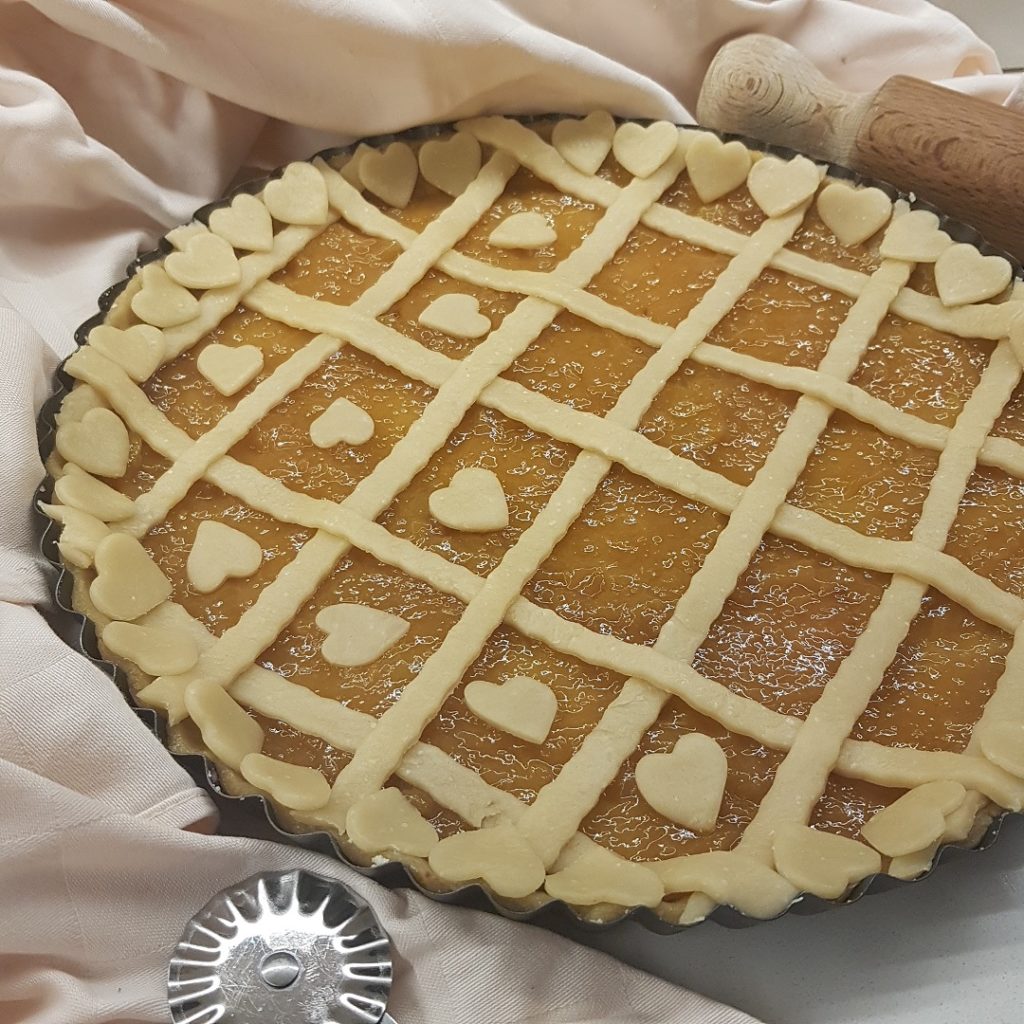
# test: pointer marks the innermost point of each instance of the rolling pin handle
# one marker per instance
(761, 87)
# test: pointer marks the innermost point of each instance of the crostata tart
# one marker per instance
(599, 512)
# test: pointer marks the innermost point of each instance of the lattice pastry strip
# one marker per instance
(802, 776)
(233, 259)
(653, 462)
(987, 322)
(567, 800)
(864, 760)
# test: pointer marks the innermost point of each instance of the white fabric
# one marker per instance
(116, 121)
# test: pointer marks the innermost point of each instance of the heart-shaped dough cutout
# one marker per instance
(98, 443)
(716, 167)
(820, 862)
(452, 164)
(207, 261)
(499, 856)
(914, 821)
(82, 399)
(245, 224)
(914, 237)
(686, 785)
(526, 230)
(229, 369)
(78, 489)
(457, 315)
(161, 301)
(299, 196)
(220, 552)
(139, 350)
(963, 275)
(778, 186)
(291, 785)
(157, 650)
(228, 732)
(350, 170)
(853, 215)
(521, 706)
(386, 820)
(585, 144)
(80, 535)
(1003, 744)
(357, 635)
(474, 502)
(390, 175)
(128, 582)
(596, 875)
(640, 150)
(342, 421)
(180, 236)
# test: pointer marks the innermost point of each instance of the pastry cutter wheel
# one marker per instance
(282, 947)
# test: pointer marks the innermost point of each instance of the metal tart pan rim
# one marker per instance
(78, 631)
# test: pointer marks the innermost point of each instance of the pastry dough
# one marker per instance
(387, 821)
(585, 143)
(342, 422)
(686, 785)
(474, 502)
(779, 186)
(525, 230)
(206, 261)
(450, 164)
(220, 552)
(390, 174)
(97, 443)
(245, 223)
(520, 706)
(716, 168)
(456, 314)
(643, 149)
(853, 214)
(964, 276)
(230, 369)
(358, 635)
(139, 349)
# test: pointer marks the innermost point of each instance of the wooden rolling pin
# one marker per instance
(962, 154)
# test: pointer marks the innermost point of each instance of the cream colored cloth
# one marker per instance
(116, 121)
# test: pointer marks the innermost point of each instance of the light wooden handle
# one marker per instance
(963, 154)
(760, 86)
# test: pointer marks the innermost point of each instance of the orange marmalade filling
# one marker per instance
(622, 566)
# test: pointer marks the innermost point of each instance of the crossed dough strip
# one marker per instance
(216, 303)
(990, 321)
(421, 698)
(562, 804)
(654, 462)
(801, 777)
(865, 760)
(402, 723)
(313, 314)
(317, 315)
(424, 766)
(993, 322)
(277, 604)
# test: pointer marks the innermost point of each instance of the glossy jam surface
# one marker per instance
(793, 616)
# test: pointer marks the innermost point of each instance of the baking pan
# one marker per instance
(80, 633)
